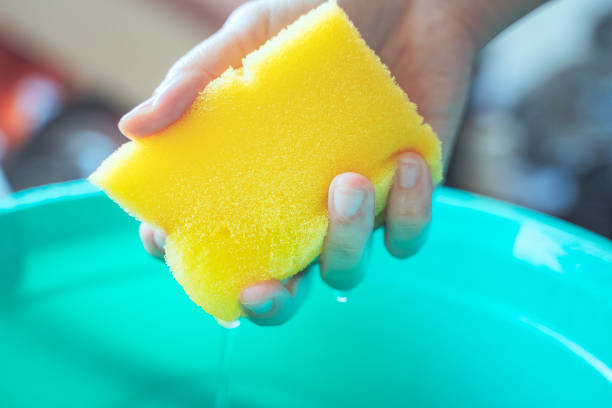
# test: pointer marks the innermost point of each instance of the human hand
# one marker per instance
(428, 49)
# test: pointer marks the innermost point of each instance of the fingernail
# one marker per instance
(160, 239)
(139, 109)
(150, 103)
(347, 201)
(408, 172)
(260, 308)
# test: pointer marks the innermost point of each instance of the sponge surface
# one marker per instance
(240, 182)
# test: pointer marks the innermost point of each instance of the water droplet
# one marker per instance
(341, 296)
(222, 398)
(229, 325)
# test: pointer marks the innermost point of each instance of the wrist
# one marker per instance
(487, 18)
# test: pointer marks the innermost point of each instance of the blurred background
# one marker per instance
(537, 132)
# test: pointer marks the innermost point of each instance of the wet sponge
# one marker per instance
(240, 182)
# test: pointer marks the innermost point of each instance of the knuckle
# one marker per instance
(345, 251)
(405, 243)
(406, 229)
(409, 208)
(245, 9)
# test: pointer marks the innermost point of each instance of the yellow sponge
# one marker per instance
(240, 182)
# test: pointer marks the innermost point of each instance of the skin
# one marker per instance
(429, 46)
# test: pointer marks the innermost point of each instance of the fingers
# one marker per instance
(351, 219)
(153, 239)
(270, 303)
(265, 303)
(244, 31)
(408, 206)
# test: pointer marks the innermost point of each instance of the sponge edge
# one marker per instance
(239, 183)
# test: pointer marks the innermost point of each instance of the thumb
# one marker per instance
(245, 30)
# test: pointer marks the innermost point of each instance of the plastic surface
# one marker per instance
(503, 307)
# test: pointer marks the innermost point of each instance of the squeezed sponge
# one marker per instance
(240, 182)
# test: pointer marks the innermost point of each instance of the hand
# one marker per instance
(430, 51)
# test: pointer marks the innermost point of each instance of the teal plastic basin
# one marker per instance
(503, 307)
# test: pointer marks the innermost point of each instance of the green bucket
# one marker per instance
(503, 307)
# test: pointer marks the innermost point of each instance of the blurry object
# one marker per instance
(549, 146)
(30, 95)
(35, 98)
(119, 50)
(569, 119)
(492, 154)
(4, 185)
(529, 52)
(603, 37)
(490, 143)
(210, 12)
(69, 147)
